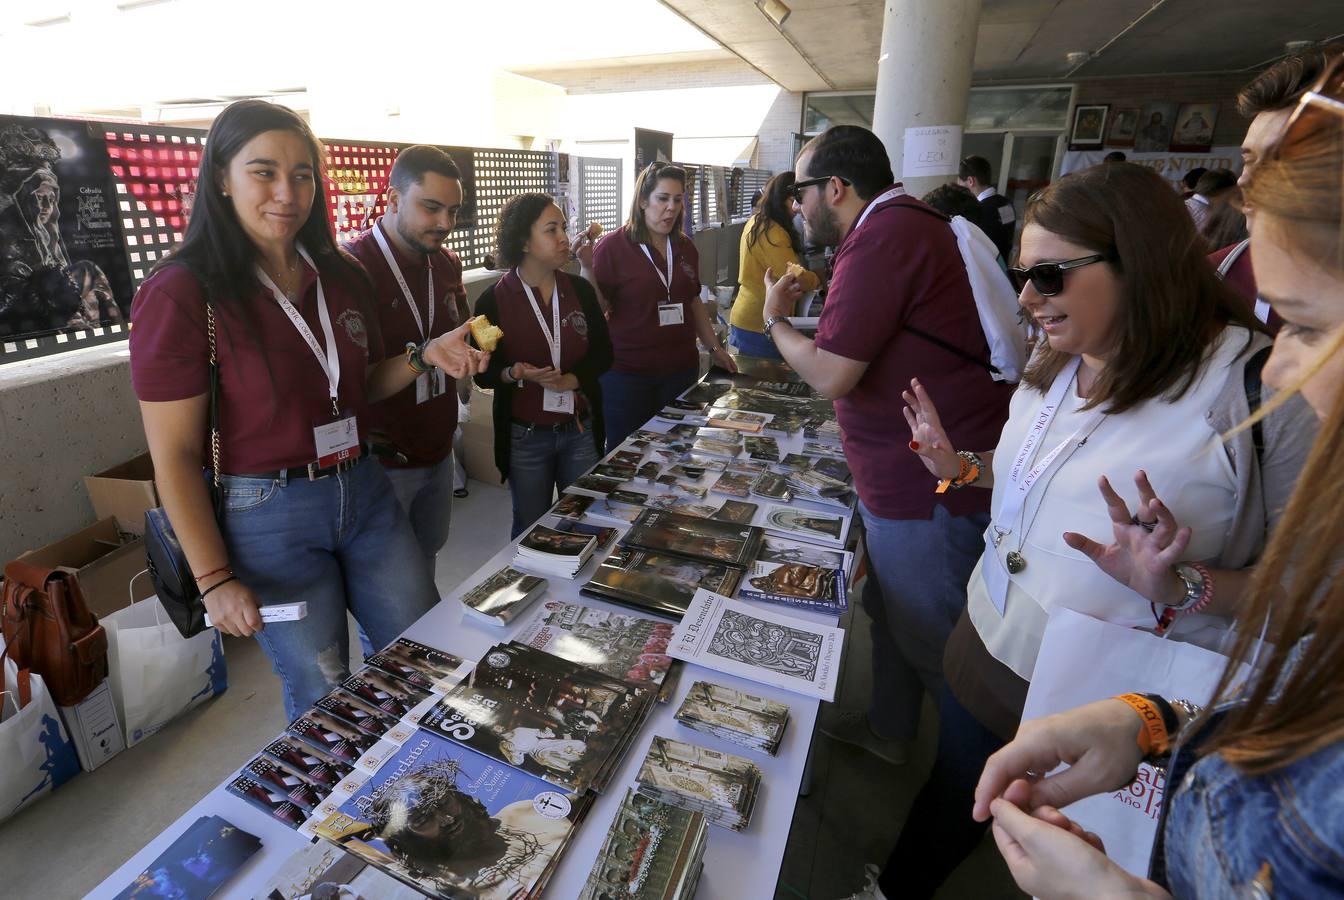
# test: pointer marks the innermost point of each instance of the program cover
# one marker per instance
(656, 583)
(330, 735)
(419, 664)
(594, 484)
(736, 511)
(723, 711)
(835, 468)
(318, 767)
(618, 471)
(323, 871)
(704, 539)
(817, 588)
(455, 823)
(197, 864)
(653, 851)
(762, 448)
(349, 708)
(614, 512)
(759, 645)
(648, 472)
(500, 598)
(544, 542)
(603, 534)
(722, 785)
(772, 487)
(390, 695)
(278, 776)
(734, 484)
(738, 420)
(571, 506)
(632, 648)
(273, 801)
(784, 550)
(826, 528)
(628, 457)
(716, 448)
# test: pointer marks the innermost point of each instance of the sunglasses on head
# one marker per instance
(1320, 104)
(1048, 278)
(796, 189)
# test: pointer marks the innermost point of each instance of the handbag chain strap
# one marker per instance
(214, 398)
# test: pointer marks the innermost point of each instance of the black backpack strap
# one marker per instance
(1251, 377)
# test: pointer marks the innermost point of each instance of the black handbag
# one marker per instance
(167, 564)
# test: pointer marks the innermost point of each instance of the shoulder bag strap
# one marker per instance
(1251, 377)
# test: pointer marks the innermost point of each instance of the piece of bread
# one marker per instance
(795, 270)
(484, 334)
(594, 231)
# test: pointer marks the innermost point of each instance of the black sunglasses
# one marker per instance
(796, 189)
(1048, 278)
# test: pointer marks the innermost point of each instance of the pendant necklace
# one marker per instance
(1015, 561)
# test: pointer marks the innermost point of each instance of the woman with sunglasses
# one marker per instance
(648, 280)
(1140, 367)
(1253, 797)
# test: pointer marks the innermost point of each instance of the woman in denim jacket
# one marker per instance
(1255, 810)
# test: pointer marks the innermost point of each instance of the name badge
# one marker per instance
(336, 441)
(671, 314)
(431, 384)
(557, 401)
(995, 573)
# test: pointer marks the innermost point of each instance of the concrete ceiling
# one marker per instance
(833, 44)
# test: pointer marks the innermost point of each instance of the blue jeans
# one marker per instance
(752, 343)
(543, 461)
(426, 493)
(628, 400)
(340, 543)
(916, 590)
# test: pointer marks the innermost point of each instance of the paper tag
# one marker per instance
(336, 441)
(1007, 215)
(557, 401)
(995, 574)
(429, 385)
(671, 314)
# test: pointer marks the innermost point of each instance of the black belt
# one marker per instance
(570, 424)
(312, 471)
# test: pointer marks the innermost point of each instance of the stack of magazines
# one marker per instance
(652, 851)
(500, 598)
(720, 785)
(555, 552)
(632, 648)
(743, 719)
(657, 583)
(818, 487)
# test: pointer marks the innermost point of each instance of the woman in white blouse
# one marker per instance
(1145, 358)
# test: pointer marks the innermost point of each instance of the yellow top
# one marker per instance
(774, 251)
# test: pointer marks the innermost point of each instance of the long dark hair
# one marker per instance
(776, 206)
(215, 248)
(1173, 305)
(636, 229)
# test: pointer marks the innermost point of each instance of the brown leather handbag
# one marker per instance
(48, 628)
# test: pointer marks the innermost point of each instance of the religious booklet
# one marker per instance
(272, 801)
(818, 588)
(197, 864)
(571, 506)
(380, 690)
(709, 540)
(734, 484)
(420, 665)
(655, 582)
(317, 766)
(765, 449)
(772, 487)
(500, 598)
(652, 851)
(736, 511)
(738, 420)
(554, 552)
(743, 719)
(759, 645)
(783, 550)
(615, 470)
(331, 734)
(720, 785)
(455, 824)
(349, 708)
(831, 529)
(322, 870)
(594, 484)
(632, 648)
(716, 448)
(277, 776)
(603, 534)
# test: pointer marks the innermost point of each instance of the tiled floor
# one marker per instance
(67, 843)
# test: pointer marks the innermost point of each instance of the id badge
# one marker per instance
(558, 401)
(995, 573)
(336, 441)
(429, 385)
(671, 314)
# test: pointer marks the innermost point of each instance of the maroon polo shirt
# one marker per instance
(1241, 278)
(525, 342)
(902, 268)
(423, 432)
(633, 291)
(271, 389)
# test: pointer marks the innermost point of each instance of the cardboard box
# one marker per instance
(124, 492)
(103, 565)
(94, 727)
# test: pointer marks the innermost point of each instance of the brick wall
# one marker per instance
(1221, 89)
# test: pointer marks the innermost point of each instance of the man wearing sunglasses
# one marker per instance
(897, 270)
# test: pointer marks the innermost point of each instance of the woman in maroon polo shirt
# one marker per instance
(648, 279)
(545, 369)
(301, 517)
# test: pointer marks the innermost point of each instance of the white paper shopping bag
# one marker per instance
(37, 753)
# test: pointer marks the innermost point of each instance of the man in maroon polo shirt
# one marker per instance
(897, 270)
(419, 295)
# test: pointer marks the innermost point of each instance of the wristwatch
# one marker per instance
(1194, 585)
(771, 323)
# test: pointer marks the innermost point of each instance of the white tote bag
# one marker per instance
(157, 674)
(36, 753)
(1084, 659)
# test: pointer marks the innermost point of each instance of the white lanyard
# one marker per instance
(552, 336)
(897, 191)
(406, 288)
(666, 280)
(330, 360)
(1020, 480)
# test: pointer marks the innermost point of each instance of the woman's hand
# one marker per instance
(451, 353)
(1099, 741)
(555, 380)
(928, 439)
(536, 374)
(583, 251)
(781, 294)
(723, 359)
(1147, 545)
(233, 609)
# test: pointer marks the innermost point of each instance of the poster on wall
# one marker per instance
(1194, 128)
(1155, 126)
(62, 260)
(933, 150)
(1124, 127)
(1089, 126)
(651, 146)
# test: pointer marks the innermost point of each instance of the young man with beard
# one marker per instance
(419, 294)
(899, 307)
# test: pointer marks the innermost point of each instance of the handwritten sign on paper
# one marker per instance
(931, 151)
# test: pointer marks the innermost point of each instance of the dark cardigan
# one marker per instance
(596, 361)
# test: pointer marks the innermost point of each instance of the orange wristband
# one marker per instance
(1153, 737)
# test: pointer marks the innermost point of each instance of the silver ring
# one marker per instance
(1146, 526)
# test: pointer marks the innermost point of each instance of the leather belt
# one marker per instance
(312, 471)
(570, 424)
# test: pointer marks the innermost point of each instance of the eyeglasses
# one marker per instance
(1048, 278)
(1325, 97)
(796, 189)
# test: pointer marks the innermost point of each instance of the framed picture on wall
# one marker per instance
(1089, 126)
(1155, 127)
(1194, 127)
(1124, 126)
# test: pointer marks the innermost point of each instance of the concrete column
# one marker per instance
(923, 73)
